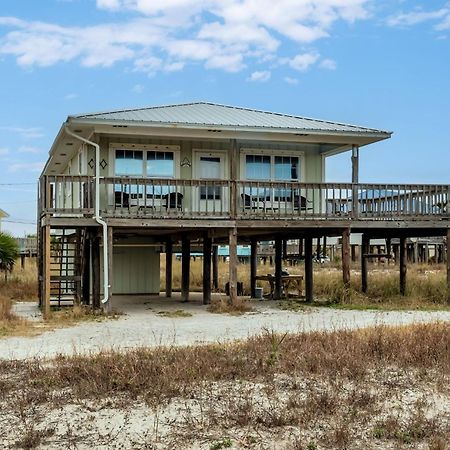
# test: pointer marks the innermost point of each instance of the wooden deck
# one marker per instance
(130, 200)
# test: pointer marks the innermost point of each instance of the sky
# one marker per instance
(383, 64)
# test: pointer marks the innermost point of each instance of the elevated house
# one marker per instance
(120, 186)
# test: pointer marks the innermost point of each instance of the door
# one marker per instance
(211, 197)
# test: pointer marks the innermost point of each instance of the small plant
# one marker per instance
(222, 443)
(275, 343)
(378, 432)
(174, 314)
(311, 446)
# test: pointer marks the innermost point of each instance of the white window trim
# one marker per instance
(272, 153)
(175, 149)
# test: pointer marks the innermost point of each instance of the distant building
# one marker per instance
(3, 215)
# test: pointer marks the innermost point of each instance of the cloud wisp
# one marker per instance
(440, 17)
(166, 35)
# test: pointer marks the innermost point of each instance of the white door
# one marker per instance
(211, 197)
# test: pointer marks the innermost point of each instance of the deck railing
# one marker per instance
(70, 195)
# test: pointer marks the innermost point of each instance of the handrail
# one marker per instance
(124, 196)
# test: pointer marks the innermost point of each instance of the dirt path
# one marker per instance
(142, 326)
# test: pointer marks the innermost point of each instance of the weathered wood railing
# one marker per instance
(160, 198)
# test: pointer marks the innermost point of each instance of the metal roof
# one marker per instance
(204, 114)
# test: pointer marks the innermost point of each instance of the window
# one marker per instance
(160, 164)
(129, 162)
(286, 168)
(257, 167)
(210, 168)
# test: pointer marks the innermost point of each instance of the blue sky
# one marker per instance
(384, 64)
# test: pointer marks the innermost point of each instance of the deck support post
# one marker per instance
(78, 267)
(353, 252)
(169, 265)
(207, 244)
(233, 263)
(96, 271)
(300, 247)
(346, 257)
(278, 268)
(448, 264)
(253, 266)
(355, 180)
(110, 243)
(215, 266)
(86, 271)
(185, 268)
(403, 268)
(46, 272)
(324, 247)
(309, 292)
(365, 244)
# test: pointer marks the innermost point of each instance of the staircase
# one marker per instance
(65, 269)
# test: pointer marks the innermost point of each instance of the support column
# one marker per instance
(346, 257)
(253, 266)
(284, 252)
(96, 272)
(207, 244)
(278, 268)
(86, 272)
(78, 268)
(364, 251)
(353, 252)
(110, 244)
(403, 268)
(318, 250)
(300, 247)
(309, 292)
(324, 248)
(185, 268)
(215, 267)
(47, 273)
(169, 265)
(233, 263)
(355, 180)
(448, 264)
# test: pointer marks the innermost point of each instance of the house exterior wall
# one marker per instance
(135, 269)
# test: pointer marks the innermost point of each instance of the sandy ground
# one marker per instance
(142, 326)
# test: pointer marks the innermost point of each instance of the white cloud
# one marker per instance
(440, 16)
(290, 80)
(138, 88)
(303, 61)
(263, 75)
(27, 167)
(28, 149)
(70, 96)
(24, 133)
(220, 34)
(328, 64)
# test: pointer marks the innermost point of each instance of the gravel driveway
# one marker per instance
(141, 326)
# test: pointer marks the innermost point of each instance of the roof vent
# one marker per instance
(69, 143)
(215, 131)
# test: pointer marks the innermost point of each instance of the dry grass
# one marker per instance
(223, 305)
(426, 284)
(10, 323)
(22, 283)
(374, 388)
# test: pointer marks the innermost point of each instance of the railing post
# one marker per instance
(355, 181)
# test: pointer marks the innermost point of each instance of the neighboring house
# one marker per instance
(119, 185)
(3, 215)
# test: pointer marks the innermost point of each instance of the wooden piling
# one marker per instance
(253, 266)
(86, 271)
(365, 244)
(233, 263)
(403, 268)
(215, 266)
(207, 244)
(96, 272)
(346, 257)
(278, 268)
(47, 271)
(185, 268)
(169, 267)
(309, 291)
(110, 243)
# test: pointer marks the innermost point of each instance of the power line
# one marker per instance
(16, 184)
(23, 222)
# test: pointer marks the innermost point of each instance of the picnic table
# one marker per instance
(287, 281)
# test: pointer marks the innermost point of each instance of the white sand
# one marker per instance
(142, 327)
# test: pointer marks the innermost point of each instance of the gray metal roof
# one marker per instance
(204, 114)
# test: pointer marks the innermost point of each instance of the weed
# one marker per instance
(174, 314)
(222, 443)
